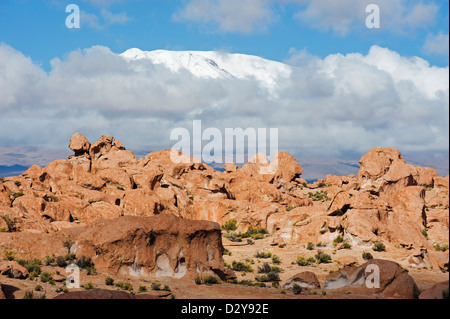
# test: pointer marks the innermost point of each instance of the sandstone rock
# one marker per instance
(13, 270)
(155, 246)
(306, 279)
(79, 144)
(347, 261)
(137, 202)
(101, 147)
(394, 282)
(116, 177)
(438, 291)
(231, 167)
(441, 181)
(30, 245)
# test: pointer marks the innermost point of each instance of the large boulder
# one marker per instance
(438, 291)
(306, 279)
(79, 144)
(159, 246)
(393, 280)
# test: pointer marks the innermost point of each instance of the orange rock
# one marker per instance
(161, 246)
(79, 144)
(138, 203)
(441, 181)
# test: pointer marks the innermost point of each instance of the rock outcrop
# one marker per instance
(159, 246)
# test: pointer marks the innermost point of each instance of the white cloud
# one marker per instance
(436, 44)
(341, 17)
(241, 16)
(326, 107)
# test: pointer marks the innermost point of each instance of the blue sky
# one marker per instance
(37, 27)
(348, 89)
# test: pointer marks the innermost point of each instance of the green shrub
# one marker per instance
(227, 252)
(198, 280)
(88, 286)
(210, 280)
(166, 288)
(46, 276)
(319, 196)
(109, 281)
(143, 289)
(339, 239)
(9, 223)
(9, 255)
(230, 225)
(236, 238)
(441, 247)
(17, 195)
(367, 256)
(263, 255)
(264, 269)
(425, 233)
(378, 246)
(156, 286)
(38, 288)
(322, 258)
(347, 245)
(250, 242)
(241, 266)
(124, 286)
(302, 261)
(32, 265)
(84, 262)
(49, 260)
(276, 260)
(297, 289)
(289, 208)
(61, 261)
(310, 246)
(17, 183)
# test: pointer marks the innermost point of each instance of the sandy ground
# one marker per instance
(187, 289)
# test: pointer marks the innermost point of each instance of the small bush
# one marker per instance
(241, 266)
(9, 223)
(46, 277)
(425, 233)
(263, 255)
(17, 183)
(378, 246)
(297, 289)
(264, 269)
(310, 246)
(227, 252)
(302, 261)
(339, 239)
(236, 238)
(322, 258)
(32, 265)
(250, 241)
(49, 260)
(166, 288)
(441, 247)
(84, 262)
(211, 280)
(109, 281)
(143, 289)
(88, 286)
(347, 245)
(38, 288)
(230, 225)
(367, 256)
(289, 208)
(124, 286)
(156, 286)
(9, 255)
(276, 260)
(17, 195)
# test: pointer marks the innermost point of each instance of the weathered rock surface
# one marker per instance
(306, 279)
(392, 281)
(158, 246)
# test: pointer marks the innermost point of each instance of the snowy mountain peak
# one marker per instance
(215, 65)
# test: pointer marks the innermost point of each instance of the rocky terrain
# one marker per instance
(149, 228)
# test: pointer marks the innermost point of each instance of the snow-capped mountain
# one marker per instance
(215, 65)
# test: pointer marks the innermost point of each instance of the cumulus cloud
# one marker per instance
(436, 44)
(341, 17)
(241, 16)
(323, 107)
